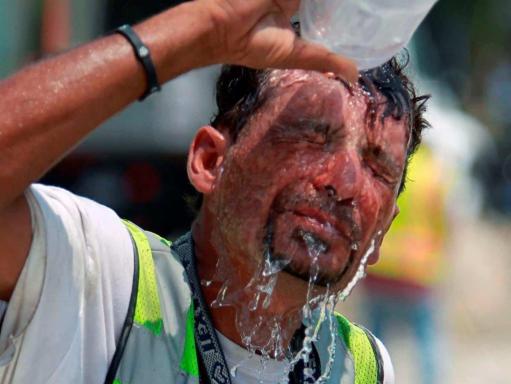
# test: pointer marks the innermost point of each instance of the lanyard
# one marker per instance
(296, 375)
(206, 339)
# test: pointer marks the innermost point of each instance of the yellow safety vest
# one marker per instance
(157, 344)
(412, 250)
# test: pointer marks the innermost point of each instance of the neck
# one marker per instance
(287, 298)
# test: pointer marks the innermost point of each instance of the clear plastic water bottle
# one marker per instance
(368, 31)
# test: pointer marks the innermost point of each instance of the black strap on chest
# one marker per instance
(212, 359)
(128, 322)
(297, 374)
(212, 365)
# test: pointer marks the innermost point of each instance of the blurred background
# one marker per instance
(441, 296)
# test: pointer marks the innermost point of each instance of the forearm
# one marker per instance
(49, 107)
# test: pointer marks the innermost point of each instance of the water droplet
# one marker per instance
(272, 267)
(360, 274)
(252, 306)
(220, 299)
(234, 370)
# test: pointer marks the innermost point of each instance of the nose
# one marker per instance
(341, 178)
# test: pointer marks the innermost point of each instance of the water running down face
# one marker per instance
(310, 168)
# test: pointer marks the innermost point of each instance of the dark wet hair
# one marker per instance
(401, 100)
(241, 92)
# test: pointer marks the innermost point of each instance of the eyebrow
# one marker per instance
(298, 124)
(313, 123)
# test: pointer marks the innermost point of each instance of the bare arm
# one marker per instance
(48, 107)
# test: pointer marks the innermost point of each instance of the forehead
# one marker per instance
(297, 96)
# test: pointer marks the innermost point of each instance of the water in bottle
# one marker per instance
(369, 32)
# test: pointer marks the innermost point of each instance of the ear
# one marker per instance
(205, 156)
(376, 254)
(396, 212)
(387, 227)
(391, 220)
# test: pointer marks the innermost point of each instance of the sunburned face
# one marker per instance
(311, 170)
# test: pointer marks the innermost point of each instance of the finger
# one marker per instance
(313, 56)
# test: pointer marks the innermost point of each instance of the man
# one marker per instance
(299, 176)
(299, 167)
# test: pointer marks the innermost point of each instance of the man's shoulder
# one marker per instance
(82, 234)
(83, 258)
(59, 198)
(357, 351)
(78, 216)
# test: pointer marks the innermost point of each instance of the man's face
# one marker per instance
(312, 178)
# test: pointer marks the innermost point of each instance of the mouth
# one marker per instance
(311, 241)
(324, 222)
(316, 247)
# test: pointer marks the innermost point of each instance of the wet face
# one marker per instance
(312, 178)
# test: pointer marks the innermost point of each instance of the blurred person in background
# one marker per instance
(32, 29)
(401, 287)
(55, 26)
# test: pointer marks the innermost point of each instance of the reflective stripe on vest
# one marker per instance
(151, 349)
(413, 247)
(147, 307)
(366, 356)
(150, 352)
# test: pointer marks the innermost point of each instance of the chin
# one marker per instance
(320, 273)
(311, 257)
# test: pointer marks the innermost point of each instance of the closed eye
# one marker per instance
(382, 165)
(316, 134)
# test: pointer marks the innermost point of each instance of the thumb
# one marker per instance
(312, 56)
